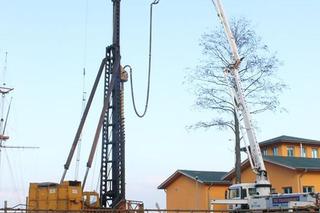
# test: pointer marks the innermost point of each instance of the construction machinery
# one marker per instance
(251, 195)
(111, 124)
(69, 195)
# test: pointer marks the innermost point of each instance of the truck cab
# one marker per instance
(91, 200)
(242, 191)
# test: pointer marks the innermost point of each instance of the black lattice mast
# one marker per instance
(112, 180)
(111, 122)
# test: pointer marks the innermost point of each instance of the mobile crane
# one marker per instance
(251, 195)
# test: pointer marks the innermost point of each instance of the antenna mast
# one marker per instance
(4, 91)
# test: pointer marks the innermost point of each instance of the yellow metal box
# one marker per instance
(52, 193)
(53, 196)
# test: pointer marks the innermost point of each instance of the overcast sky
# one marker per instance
(45, 41)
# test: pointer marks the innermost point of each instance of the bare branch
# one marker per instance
(257, 72)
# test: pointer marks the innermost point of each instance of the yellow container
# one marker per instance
(52, 196)
(42, 193)
(33, 191)
(74, 205)
(42, 204)
(62, 205)
(52, 193)
(52, 204)
(62, 192)
(74, 192)
(32, 205)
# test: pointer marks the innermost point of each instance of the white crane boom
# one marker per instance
(263, 184)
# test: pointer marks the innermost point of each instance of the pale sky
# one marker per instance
(45, 42)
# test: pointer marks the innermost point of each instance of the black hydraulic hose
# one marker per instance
(149, 70)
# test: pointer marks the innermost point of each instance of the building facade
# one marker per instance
(286, 174)
(288, 146)
(292, 163)
(187, 189)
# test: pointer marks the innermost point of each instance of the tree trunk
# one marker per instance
(237, 148)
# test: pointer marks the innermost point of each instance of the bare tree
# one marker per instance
(257, 72)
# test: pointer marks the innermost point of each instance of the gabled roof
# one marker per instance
(289, 139)
(204, 177)
(294, 163)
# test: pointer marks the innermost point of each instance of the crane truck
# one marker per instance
(253, 196)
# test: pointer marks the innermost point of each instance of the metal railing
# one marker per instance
(147, 211)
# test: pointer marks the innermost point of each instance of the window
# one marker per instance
(252, 191)
(93, 199)
(287, 190)
(303, 152)
(314, 153)
(264, 152)
(308, 189)
(243, 193)
(275, 151)
(290, 151)
(233, 193)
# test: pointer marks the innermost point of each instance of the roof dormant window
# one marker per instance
(314, 153)
(303, 152)
(275, 151)
(290, 151)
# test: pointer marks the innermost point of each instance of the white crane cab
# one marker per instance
(242, 191)
(240, 195)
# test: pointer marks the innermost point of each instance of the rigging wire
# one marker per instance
(80, 139)
(94, 171)
(83, 86)
(0, 167)
(5, 67)
(85, 39)
(7, 117)
(98, 184)
(3, 131)
(21, 172)
(3, 94)
(2, 107)
(12, 175)
(149, 69)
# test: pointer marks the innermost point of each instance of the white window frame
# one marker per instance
(289, 149)
(275, 151)
(314, 152)
(265, 152)
(307, 189)
(303, 152)
(287, 190)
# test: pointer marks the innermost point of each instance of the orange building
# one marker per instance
(286, 174)
(291, 147)
(292, 163)
(187, 189)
